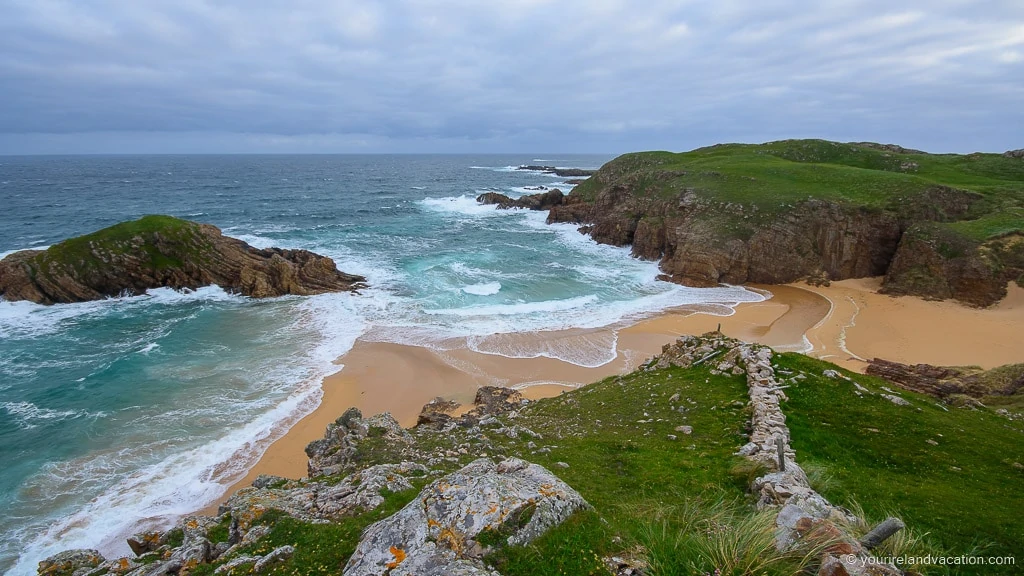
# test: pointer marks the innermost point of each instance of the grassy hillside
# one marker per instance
(88, 251)
(678, 500)
(775, 175)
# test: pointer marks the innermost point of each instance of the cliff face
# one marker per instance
(707, 227)
(160, 251)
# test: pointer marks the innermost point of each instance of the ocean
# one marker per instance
(144, 408)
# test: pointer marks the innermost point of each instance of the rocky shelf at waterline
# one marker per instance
(936, 226)
(162, 251)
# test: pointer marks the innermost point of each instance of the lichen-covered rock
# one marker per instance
(515, 501)
(143, 542)
(490, 401)
(320, 501)
(69, 562)
(338, 450)
(276, 556)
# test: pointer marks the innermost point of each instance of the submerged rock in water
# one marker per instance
(161, 251)
(544, 201)
(439, 532)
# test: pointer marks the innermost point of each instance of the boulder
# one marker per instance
(439, 532)
(276, 556)
(337, 451)
(437, 412)
(68, 562)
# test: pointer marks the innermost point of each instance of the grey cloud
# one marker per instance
(461, 75)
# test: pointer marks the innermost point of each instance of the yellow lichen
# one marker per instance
(399, 555)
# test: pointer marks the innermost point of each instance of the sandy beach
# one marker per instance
(846, 323)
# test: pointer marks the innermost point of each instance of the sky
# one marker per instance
(457, 76)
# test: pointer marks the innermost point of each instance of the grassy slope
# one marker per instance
(81, 252)
(777, 174)
(964, 490)
(661, 497)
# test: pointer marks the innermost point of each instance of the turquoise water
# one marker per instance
(144, 407)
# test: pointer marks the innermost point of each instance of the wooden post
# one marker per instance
(881, 532)
(780, 444)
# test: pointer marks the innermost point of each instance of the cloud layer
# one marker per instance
(520, 75)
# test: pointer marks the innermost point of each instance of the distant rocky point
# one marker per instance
(162, 251)
(563, 172)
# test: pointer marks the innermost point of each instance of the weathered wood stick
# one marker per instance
(881, 532)
(780, 444)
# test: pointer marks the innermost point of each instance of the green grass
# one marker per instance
(319, 548)
(774, 176)
(963, 491)
(135, 238)
(681, 505)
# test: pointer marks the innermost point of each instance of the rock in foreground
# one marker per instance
(446, 528)
(162, 251)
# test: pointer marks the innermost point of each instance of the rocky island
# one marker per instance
(934, 225)
(162, 251)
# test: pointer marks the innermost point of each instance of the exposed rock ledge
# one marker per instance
(951, 383)
(545, 201)
(161, 251)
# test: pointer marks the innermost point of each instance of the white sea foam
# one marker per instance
(484, 289)
(518, 308)
(181, 481)
(28, 320)
(587, 349)
(9, 252)
(497, 168)
(462, 205)
(28, 415)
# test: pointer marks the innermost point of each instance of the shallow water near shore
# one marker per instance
(147, 407)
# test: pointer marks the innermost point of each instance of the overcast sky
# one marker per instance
(84, 76)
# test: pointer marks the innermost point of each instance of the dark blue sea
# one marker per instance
(147, 407)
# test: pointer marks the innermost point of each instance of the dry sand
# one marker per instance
(864, 324)
(845, 323)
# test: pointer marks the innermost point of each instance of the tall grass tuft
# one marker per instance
(719, 537)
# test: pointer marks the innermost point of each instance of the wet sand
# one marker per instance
(845, 323)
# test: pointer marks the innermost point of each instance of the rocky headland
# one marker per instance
(162, 251)
(935, 226)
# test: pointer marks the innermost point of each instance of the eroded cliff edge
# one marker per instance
(162, 251)
(936, 226)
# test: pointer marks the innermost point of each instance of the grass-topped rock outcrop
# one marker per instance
(935, 225)
(162, 251)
